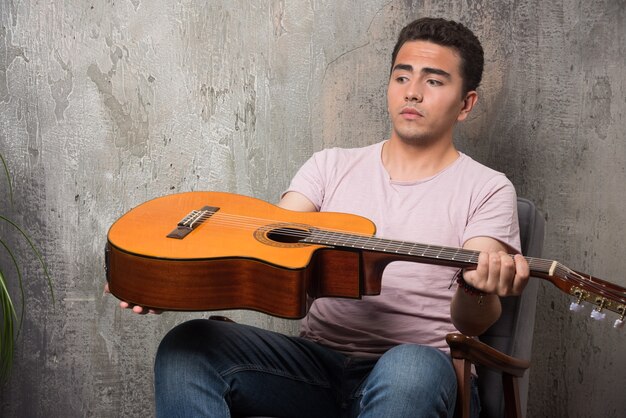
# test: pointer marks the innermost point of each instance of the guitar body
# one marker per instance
(233, 259)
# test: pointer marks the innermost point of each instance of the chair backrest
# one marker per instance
(512, 334)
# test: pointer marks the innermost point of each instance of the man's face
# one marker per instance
(424, 95)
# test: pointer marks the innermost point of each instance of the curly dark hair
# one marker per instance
(451, 34)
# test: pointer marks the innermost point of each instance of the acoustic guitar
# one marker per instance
(204, 251)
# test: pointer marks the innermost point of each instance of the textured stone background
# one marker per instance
(105, 104)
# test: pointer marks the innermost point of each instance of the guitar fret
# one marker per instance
(373, 243)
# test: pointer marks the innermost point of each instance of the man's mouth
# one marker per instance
(411, 112)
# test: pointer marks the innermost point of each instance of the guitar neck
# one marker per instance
(584, 288)
(423, 253)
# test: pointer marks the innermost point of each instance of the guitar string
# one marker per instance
(364, 241)
(590, 281)
(246, 222)
(600, 288)
(255, 223)
(596, 286)
(343, 237)
(355, 239)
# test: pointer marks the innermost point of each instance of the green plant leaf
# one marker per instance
(6, 172)
(9, 318)
(20, 283)
(34, 249)
(7, 337)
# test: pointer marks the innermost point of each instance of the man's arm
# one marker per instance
(497, 274)
(297, 202)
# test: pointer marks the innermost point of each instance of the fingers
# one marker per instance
(487, 274)
(140, 310)
(135, 308)
(499, 273)
(522, 275)
(506, 274)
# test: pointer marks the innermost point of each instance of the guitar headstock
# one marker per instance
(603, 296)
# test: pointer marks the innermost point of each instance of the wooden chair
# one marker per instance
(497, 354)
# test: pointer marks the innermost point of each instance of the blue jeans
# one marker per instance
(207, 368)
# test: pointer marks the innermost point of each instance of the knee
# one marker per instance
(184, 346)
(185, 371)
(411, 380)
(181, 338)
(415, 368)
(174, 344)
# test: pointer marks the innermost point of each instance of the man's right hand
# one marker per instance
(135, 308)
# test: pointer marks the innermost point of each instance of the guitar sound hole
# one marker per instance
(287, 235)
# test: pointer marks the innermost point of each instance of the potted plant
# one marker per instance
(11, 321)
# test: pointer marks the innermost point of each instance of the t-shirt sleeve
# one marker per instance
(494, 213)
(310, 181)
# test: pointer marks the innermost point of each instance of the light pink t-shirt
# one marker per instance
(463, 201)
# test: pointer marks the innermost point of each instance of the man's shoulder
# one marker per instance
(347, 156)
(478, 170)
(350, 151)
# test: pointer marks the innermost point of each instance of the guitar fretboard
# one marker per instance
(412, 249)
(443, 255)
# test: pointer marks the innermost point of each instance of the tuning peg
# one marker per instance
(597, 315)
(576, 306)
(619, 322)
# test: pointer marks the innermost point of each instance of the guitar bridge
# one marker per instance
(194, 219)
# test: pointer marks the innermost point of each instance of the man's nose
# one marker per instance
(413, 94)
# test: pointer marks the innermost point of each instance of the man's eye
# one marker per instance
(435, 82)
(401, 79)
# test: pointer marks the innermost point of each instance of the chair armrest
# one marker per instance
(464, 347)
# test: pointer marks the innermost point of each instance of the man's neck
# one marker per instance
(412, 162)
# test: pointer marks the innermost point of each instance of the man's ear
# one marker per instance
(468, 104)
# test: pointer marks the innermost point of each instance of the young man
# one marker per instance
(382, 356)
